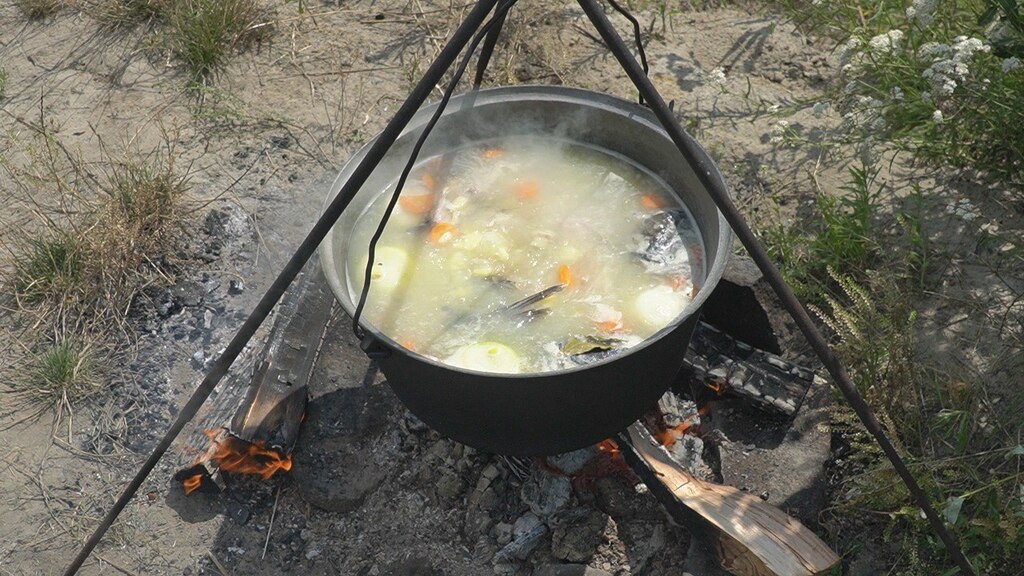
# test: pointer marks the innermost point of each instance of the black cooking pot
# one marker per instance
(550, 412)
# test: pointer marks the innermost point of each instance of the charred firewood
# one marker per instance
(253, 429)
(729, 366)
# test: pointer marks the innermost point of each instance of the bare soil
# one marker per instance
(261, 149)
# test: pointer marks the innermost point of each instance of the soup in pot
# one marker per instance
(526, 255)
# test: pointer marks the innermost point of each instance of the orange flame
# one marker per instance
(232, 454)
(192, 483)
(236, 455)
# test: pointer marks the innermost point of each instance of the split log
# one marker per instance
(268, 409)
(750, 537)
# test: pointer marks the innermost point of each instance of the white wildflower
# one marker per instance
(716, 76)
(849, 53)
(926, 96)
(921, 12)
(897, 93)
(937, 116)
(1010, 64)
(821, 108)
(963, 209)
(964, 48)
(932, 50)
(778, 132)
(888, 42)
(946, 73)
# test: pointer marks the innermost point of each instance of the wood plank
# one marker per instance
(756, 539)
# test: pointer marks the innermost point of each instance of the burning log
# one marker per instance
(260, 436)
(749, 537)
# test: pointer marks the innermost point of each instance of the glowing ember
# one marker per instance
(192, 483)
(609, 447)
(667, 436)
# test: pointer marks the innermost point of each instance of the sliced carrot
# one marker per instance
(527, 190)
(429, 181)
(416, 203)
(565, 275)
(441, 233)
(651, 202)
(408, 344)
(609, 326)
(492, 153)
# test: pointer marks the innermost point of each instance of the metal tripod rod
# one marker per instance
(488, 48)
(704, 171)
(387, 137)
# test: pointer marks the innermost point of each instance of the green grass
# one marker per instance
(127, 13)
(843, 238)
(865, 267)
(62, 373)
(3, 83)
(203, 34)
(48, 267)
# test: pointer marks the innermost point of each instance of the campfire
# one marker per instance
(663, 451)
(228, 453)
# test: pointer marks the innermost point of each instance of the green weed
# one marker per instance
(3, 82)
(203, 34)
(843, 237)
(62, 373)
(49, 266)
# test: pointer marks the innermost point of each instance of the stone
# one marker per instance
(569, 570)
(449, 485)
(502, 533)
(545, 493)
(236, 287)
(572, 462)
(527, 533)
(740, 306)
(577, 540)
(524, 524)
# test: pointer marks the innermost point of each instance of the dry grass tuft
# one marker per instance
(127, 13)
(73, 275)
(204, 33)
(39, 9)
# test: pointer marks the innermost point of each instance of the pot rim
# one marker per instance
(578, 96)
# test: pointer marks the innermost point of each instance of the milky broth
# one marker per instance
(490, 224)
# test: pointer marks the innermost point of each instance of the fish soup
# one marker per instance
(527, 255)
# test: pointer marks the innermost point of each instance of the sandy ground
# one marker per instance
(261, 151)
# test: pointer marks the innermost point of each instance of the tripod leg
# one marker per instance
(387, 137)
(488, 48)
(703, 170)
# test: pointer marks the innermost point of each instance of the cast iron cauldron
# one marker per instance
(551, 412)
